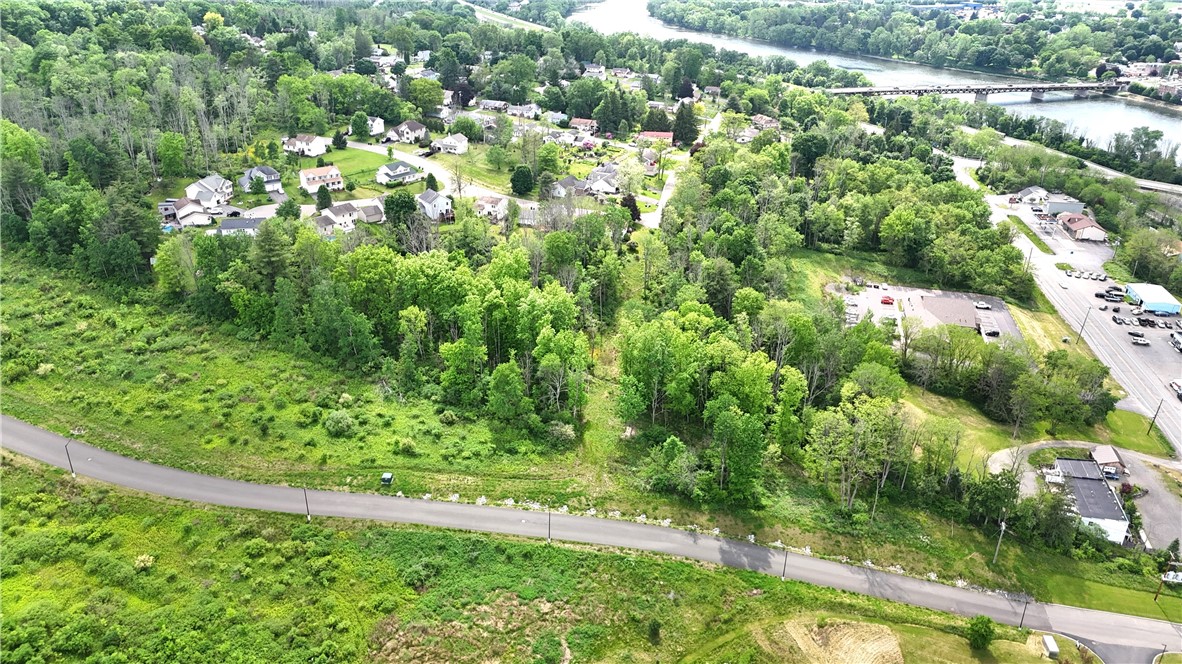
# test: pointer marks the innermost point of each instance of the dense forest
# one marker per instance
(1023, 40)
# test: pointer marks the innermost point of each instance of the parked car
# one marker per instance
(993, 332)
(982, 305)
(887, 300)
(1136, 333)
(1103, 277)
(1115, 289)
(1062, 284)
(1177, 388)
(1118, 320)
(1138, 311)
(1103, 307)
(1140, 342)
(1163, 325)
(1162, 314)
(1100, 294)
(1116, 309)
(1095, 276)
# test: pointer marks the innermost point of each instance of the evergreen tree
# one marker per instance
(323, 198)
(656, 119)
(522, 180)
(339, 142)
(270, 255)
(432, 183)
(628, 202)
(686, 89)
(685, 125)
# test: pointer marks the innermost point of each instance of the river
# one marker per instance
(1097, 118)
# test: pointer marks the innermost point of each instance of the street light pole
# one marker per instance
(1083, 324)
(999, 536)
(70, 461)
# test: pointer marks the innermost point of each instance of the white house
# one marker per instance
(586, 124)
(493, 105)
(211, 191)
(764, 122)
(306, 145)
(595, 71)
(454, 144)
(269, 176)
(398, 172)
(434, 205)
(421, 56)
(602, 180)
(184, 212)
(493, 207)
(530, 111)
(1033, 195)
(311, 179)
(554, 117)
(377, 126)
(344, 216)
(408, 132)
(649, 158)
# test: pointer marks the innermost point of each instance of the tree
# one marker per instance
(685, 125)
(425, 94)
(323, 198)
(506, 393)
(628, 202)
(549, 158)
(469, 128)
(339, 141)
(656, 119)
(432, 183)
(258, 186)
(397, 208)
(171, 149)
(496, 157)
(522, 180)
(980, 632)
(359, 126)
(288, 209)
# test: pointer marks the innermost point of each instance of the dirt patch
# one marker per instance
(503, 629)
(845, 642)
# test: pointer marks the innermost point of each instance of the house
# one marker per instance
(530, 111)
(621, 72)
(429, 74)
(377, 126)
(344, 216)
(450, 98)
(241, 226)
(454, 144)
(486, 121)
(444, 114)
(324, 225)
(747, 135)
(1095, 501)
(398, 172)
(659, 105)
(211, 191)
(649, 158)
(587, 125)
(421, 56)
(311, 179)
(712, 90)
(1082, 227)
(1033, 195)
(602, 180)
(568, 186)
(410, 131)
(370, 214)
(493, 105)
(434, 205)
(269, 176)
(656, 135)
(554, 117)
(184, 212)
(595, 71)
(493, 207)
(306, 145)
(1060, 203)
(763, 122)
(1107, 456)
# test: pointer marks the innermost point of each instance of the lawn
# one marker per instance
(166, 387)
(810, 271)
(205, 584)
(1043, 329)
(1030, 234)
(477, 168)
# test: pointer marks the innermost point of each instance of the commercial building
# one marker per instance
(1082, 227)
(1152, 297)
(1059, 203)
(1094, 500)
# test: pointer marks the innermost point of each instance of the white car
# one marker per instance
(1140, 342)
(1137, 311)
(982, 305)
(1062, 284)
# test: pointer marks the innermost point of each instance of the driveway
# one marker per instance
(1161, 509)
(278, 197)
(1115, 637)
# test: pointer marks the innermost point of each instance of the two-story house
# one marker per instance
(269, 176)
(311, 179)
(408, 132)
(434, 205)
(398, 172)
(212, 192)
(306, 145)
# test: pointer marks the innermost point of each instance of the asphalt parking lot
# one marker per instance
(1087, 256)
(922, 303)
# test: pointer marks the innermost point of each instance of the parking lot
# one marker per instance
(932, 307)
(1087, 256)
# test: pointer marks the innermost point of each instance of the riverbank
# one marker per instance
(1149, 101)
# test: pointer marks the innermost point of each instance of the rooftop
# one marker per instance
(1106, 455)
(951, 310)
(1151, 293)
(1095, 500)
(1079, 468)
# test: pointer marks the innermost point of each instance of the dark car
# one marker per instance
(1116, 309)
(1118, 320)
(1135, 333)
(1101, 294)
(993, 332)
(1163, 314)
(1115, 289)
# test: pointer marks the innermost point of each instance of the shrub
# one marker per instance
(448, 417)
(980, 632)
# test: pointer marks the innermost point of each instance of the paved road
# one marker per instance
(1115, 637)
(1160, 508)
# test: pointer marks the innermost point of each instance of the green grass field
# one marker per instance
(168, 388)
(476, 167)
(1030, 234)
(90, 569)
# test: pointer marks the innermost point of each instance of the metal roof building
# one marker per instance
(1152, 297)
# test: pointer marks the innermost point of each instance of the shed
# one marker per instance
(1152, 297)
(1106, 455)
(1052, 648)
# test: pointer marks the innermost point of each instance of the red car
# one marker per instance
(888, 300)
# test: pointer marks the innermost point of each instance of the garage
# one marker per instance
(1152, 297)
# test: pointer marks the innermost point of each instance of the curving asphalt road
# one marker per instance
(1115, 637)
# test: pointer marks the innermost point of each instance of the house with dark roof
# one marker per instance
(269, 176)
(434, 205)
(238, 226)
(410, 131)
(398, 172)
(1095, 501)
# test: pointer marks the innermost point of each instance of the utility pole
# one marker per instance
(999, 536)
(307, 509)
(1083, 324)
(1155, 414)
(1025, 605)
(784, 572)
(547, 526)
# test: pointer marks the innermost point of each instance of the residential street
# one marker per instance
(1115, 637)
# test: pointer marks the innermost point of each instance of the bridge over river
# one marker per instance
(982, 91)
